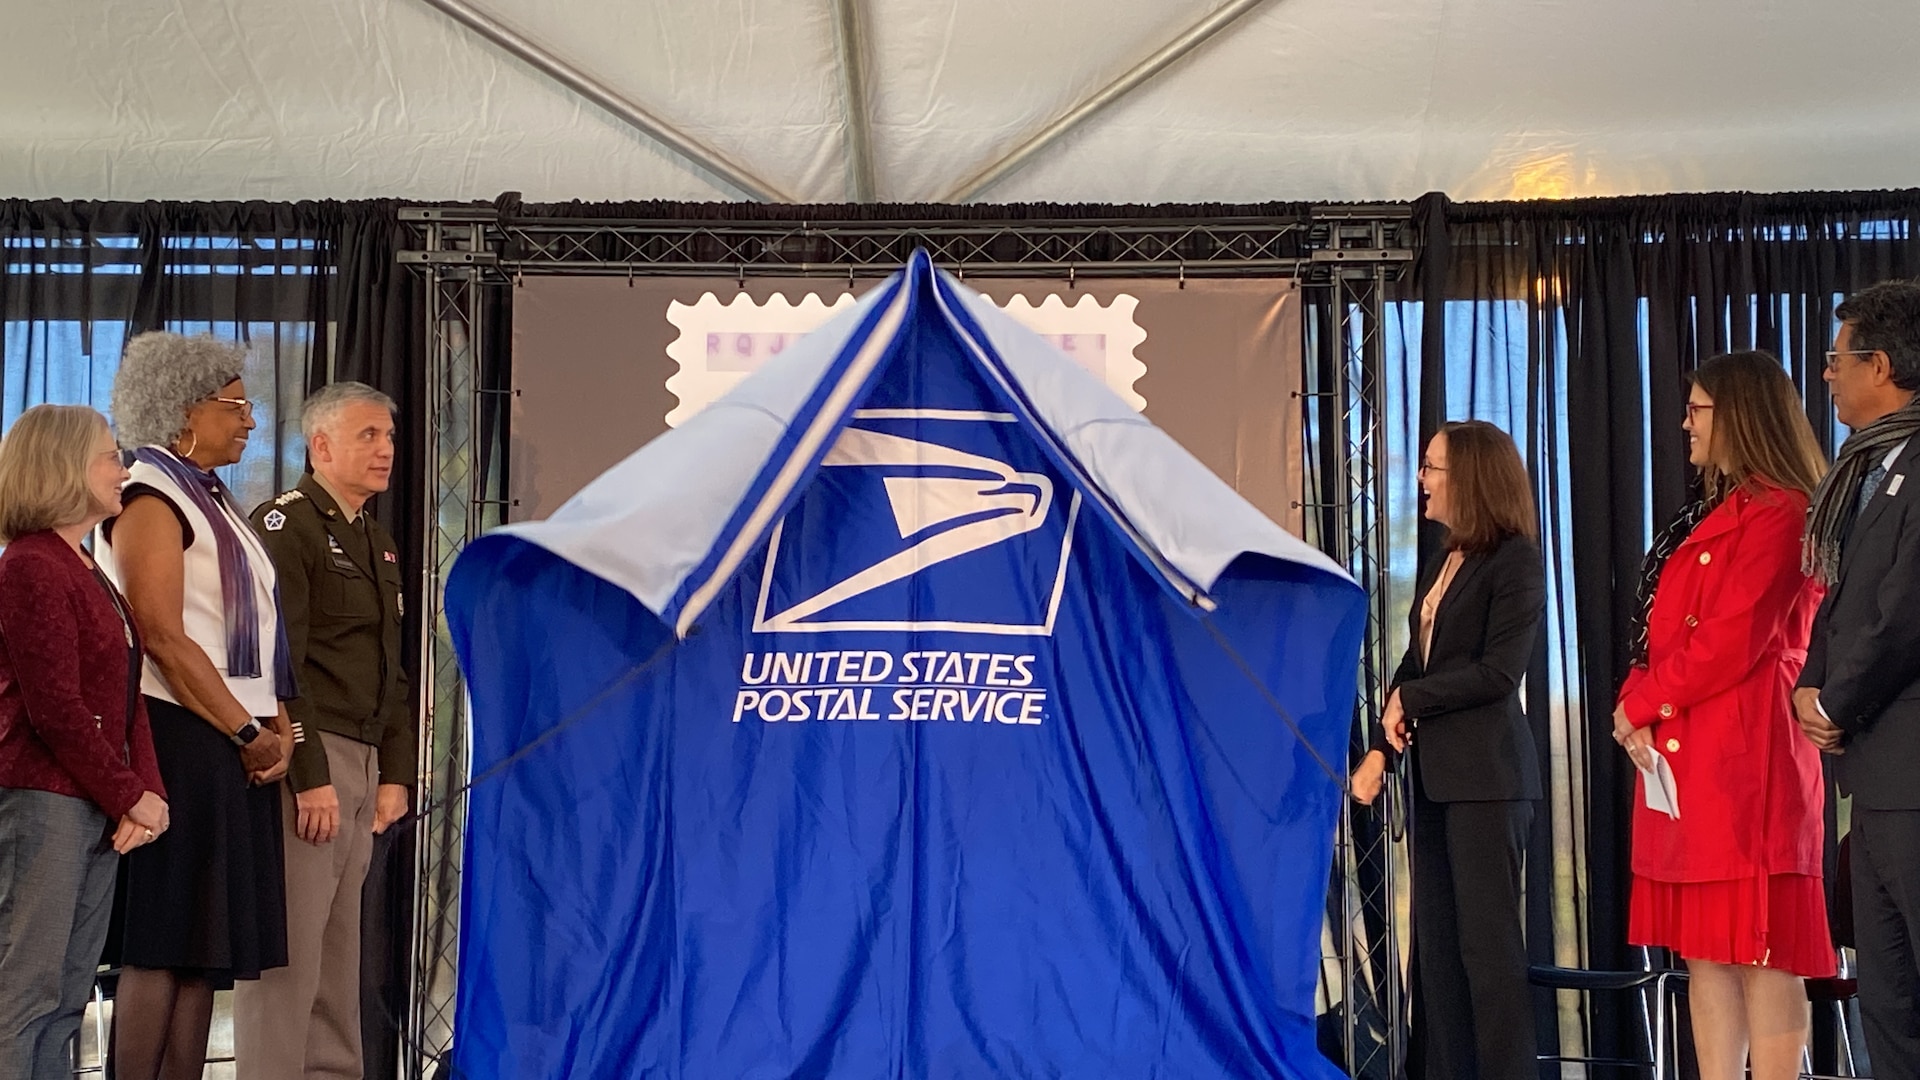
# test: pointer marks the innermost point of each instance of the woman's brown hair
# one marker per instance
(1488, 491)
(1760, 428)
(43, 469)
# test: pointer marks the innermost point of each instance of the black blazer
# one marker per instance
(1474, 743)
(1865, 652)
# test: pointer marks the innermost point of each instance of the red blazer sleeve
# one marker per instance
(1760, 582)
(43, 641)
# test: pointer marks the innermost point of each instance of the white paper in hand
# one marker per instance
(1663, 795)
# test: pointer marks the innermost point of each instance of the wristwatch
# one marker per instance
(247, 733)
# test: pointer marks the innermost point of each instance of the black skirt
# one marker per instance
(208, 899)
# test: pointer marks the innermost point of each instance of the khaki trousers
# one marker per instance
(302, 1021)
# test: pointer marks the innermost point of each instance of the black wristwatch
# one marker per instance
(246, 734)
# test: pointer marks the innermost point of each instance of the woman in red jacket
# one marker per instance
(78, 781)
(1733, 884)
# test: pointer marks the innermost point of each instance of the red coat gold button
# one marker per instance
(1706, 557)
(1673, 745)
(1666, 712)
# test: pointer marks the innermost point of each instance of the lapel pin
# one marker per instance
(1893, 486)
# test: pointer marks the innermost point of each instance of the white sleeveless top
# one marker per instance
(204, 610)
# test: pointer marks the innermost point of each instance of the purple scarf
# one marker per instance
(236, 573)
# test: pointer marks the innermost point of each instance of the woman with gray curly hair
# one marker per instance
(206, 903)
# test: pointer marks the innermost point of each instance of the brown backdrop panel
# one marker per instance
(590, 367)
(1223, 366)
(590, 370)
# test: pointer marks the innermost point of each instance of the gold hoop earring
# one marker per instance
(191, 447)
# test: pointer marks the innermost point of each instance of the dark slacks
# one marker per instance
(1886, 927)
(56, 892)
(1473, 1017)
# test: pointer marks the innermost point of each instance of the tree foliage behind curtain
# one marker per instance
(312, 290)
(1573, 325)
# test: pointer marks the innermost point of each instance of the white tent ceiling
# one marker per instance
(1299, 99)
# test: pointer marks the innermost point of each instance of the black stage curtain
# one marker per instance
(312, 289)
(1573, 324)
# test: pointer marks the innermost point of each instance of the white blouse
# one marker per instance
(204, 610)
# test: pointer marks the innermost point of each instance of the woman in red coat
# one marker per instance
(1733, 883)
(79, 784)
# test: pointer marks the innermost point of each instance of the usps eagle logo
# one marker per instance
(920, 520)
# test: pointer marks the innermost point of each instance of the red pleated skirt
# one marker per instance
(1782, 925)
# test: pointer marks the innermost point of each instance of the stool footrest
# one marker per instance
(1560, 978)
(1832, 989)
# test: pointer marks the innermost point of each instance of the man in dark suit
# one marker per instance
(1859, 696)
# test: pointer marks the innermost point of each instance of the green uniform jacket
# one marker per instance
(343, 604)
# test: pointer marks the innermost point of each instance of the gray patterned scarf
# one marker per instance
(1838, 498)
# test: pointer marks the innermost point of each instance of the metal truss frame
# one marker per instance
(1347, 255)
(464, 501)
(1348, 464)
(1201, 247)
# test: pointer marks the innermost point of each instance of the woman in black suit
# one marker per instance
(1476, 773)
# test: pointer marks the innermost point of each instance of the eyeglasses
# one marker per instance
(1694, 411)
(1833, 356)
(245, 406)
(1428, 466)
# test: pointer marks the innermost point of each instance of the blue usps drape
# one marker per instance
(945, 781)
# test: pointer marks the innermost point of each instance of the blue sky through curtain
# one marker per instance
(46, 363)
(69, 299)
(1506, 364)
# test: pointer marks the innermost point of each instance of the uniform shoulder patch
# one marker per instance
(274, 521)
(286, 497)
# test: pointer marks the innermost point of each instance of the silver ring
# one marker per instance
(149, 835)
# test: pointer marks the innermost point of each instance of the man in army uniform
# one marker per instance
(340, 592)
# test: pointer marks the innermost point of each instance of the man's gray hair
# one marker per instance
(323, 405)
(162, 375)
(1886, 317)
